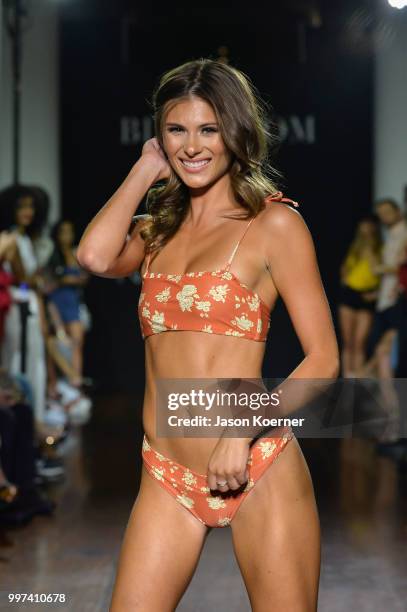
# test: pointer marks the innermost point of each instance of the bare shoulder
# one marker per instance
(286, 235)
(279, 219)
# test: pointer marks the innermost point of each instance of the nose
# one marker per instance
(192, 145)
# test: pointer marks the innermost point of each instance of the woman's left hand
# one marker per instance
(227, 467)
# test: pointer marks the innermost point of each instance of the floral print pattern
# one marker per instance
(267, 448)
(170, 302)
(191, 489)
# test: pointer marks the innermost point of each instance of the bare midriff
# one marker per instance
(192, 354)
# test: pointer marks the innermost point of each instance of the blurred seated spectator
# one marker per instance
(66, 401)
(18, 456)
(67, 297)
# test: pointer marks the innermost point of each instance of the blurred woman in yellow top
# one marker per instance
(359, 285)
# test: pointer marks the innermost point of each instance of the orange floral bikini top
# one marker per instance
(214, 302)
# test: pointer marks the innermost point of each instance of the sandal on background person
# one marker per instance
(77, 405)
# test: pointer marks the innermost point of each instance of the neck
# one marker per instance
(210, 202)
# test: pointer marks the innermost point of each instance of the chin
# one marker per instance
(198, 180)
(202, 184)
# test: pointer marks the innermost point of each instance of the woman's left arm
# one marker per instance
(292, 262)
(291, 259)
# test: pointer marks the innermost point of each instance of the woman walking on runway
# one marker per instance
(218, 234)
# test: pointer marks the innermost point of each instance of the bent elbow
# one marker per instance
(90, 262)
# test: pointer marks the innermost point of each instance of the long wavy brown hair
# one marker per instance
(246, 130)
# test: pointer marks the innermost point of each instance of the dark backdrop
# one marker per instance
(315, 68)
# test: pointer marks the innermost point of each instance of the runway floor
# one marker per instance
(362, 500)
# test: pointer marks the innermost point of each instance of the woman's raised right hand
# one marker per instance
(154, 153)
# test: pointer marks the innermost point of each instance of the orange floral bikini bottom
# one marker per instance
(213, 509)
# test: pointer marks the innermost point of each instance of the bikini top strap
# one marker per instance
(237, 245)
(274, 197)
(148, 257)
(278, 197)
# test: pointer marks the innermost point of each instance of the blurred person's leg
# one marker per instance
(69, 401)
(59, 359)
(76, 332)
(51, 371)
(363, 325)
(347, 321)
(368, 369)
(385, 371)
(383, 354)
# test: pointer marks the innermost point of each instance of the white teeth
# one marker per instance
(197, 164)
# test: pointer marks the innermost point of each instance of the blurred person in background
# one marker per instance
(359, 290)
(67, 295)
(8, 397)
(383, 341)
(8, 249)
(388, 307)
(20, 496)
(68, 320)
(23, 212)
(66, 402)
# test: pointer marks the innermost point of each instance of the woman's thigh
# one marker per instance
(276, 537)
(160, 551)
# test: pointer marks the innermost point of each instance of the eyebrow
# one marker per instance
(201, 126)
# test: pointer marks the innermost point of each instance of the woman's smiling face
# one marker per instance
(25, 211)
(193, 143)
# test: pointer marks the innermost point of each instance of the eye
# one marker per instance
(210, 129)
(175, 128)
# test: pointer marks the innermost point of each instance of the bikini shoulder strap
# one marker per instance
(229, 263)
(148, 257)
(274, 197)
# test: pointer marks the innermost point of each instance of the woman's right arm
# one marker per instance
(105, 248)
(9, 252)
